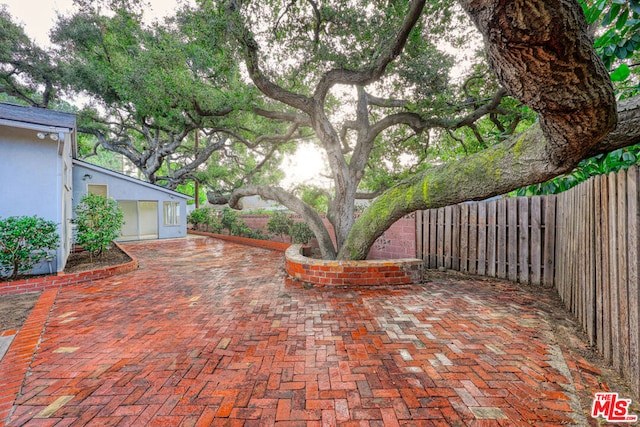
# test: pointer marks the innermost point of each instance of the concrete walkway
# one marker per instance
(211, 333)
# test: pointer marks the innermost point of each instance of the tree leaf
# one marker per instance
(622, 19)
(621, 73)
(611, 15)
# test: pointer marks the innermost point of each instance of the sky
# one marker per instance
(38, 16)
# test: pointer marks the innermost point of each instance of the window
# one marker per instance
(98, 189)
(171, 213)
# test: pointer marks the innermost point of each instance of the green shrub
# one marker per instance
(199, 216)
(207, 217)
(25, 241)
(229, 219)
(301, 233)
(213, 222)
(98, 222)
(280, 223)
(258, 234)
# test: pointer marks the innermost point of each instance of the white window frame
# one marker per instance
(171, 213)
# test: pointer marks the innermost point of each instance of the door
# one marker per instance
(140, 219)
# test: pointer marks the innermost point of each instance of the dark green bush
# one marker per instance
(280, 224)
(98, 222)
(24, 242)
(301, 233)
(207, 217)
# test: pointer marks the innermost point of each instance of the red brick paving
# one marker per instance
(211, 333)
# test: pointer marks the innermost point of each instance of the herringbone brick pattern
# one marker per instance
(211, 333)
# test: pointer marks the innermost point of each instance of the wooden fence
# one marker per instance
(584, 242)
(506, 238)
(597, 259)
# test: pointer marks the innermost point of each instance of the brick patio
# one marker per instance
(208, 332)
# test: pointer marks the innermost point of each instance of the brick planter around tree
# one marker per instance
(352, 273)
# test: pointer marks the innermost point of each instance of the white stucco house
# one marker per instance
(150, 211)
(40, 175)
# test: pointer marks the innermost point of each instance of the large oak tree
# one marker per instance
(541, 53)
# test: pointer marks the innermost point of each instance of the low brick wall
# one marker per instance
(264, 244)
(62, 279)
(398, 242)
(352, 273)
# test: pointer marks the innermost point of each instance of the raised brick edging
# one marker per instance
(15, 363)
(352, 273)
(61, 279)
(265, 244)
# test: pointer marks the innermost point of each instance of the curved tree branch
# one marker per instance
(542, 53)
(368, 75)
(283, 116)
(285, 198)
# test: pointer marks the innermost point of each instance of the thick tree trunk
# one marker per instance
(543, 55)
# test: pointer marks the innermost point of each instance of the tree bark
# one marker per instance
(542, 53)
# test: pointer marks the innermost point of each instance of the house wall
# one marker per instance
(28, 182)
(123, 189)
(65, 171)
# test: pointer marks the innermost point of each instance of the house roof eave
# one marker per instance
(130, 179)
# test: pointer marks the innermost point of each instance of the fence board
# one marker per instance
(491, 238)
(623, 289)
(580, 266)
(448, 228)
(420, 249)
(569, 245)
(464, 237)
(512, 239)
(523, 239)
(613, 275)
(633, 215)
(606, 351)
(482, 238)
(433, 233)
(440, 222)
(501, 246)
(455, 244)
(597, 251)
(590, 271)
(473, 238)
(549, 241)
(536, 241)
